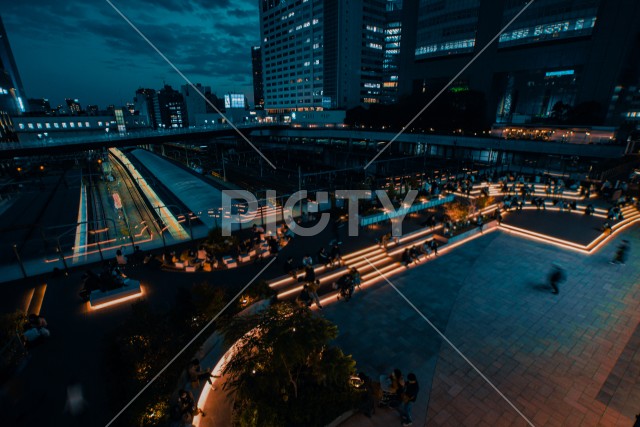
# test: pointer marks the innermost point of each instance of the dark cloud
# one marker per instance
(208, 40)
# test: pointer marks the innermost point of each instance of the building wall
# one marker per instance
(322, 54)
(573, 51)
(13, 99)
(258, 80)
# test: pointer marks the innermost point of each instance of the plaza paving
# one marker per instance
(567, 359)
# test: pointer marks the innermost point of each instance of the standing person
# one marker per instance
(289, 268)
(434, 246)
(621, 253)
(313, 292)
(555, 277)
(408, 398)
(307, 260)
(480, 223)
(305, 296)
(357, 280)
(335, 255)
(323, 257)
(309, 275)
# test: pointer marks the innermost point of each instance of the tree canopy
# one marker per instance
(285, 372)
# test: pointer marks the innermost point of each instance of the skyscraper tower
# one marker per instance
(12, 94)
(321, 54)
(258, 88)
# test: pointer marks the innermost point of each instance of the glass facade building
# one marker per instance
(583, 54)
(322, 54)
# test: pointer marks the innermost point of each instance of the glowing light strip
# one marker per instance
(28, 299)
(368, 276)
(564, 243)
(360, 252)
(373, 258)
(287, 279)
(613, 233)
(555, 209)
(324, 279)
(35, 305)
(81, 228)
(116, 301)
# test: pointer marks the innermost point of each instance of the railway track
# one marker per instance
(139, 202)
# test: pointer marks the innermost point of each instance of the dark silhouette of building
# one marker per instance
(583, 54)
(144, 105)
(169, 108)
(195, 102)
(39, 105)
(73, 106)
(258, 88)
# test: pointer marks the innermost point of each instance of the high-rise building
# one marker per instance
(143, 104)
(258, 88)
(319, 54)
(169, 108)
(73, 106)
(12, 94)
(392, 43)
(194, 102)
(580, 53)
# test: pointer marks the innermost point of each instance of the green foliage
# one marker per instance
(12, 351)
(140, 347)
(219, 244)
(285, 373)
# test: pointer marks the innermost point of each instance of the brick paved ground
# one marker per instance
(567, 359)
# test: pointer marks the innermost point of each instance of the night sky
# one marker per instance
(85, 50)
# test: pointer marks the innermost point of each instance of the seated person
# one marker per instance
(309, 274)
(406, 257)
(202, 255)
(346, 286)
(323, 257)
(196, 373)
(335, 254)
(289, 268)
(120, 259)
(414, 253)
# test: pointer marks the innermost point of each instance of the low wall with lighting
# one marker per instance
(130, 291)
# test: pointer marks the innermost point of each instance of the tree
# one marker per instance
(284, 372)
(458, 210)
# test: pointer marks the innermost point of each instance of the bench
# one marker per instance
(131, 288)
(229, 262)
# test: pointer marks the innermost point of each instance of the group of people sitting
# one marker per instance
(332, 258)
(111, 277)
(413, 254)
(200, 258)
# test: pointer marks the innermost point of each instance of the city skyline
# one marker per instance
(90, 53)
